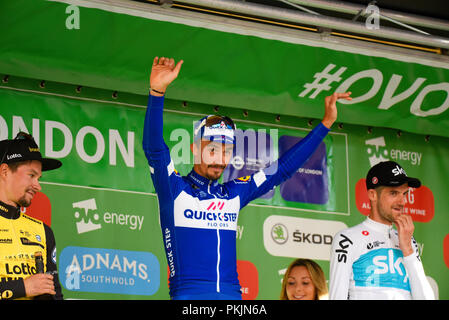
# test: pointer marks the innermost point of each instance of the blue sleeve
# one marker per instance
(281, 170)
(153, 140)
(163, 174)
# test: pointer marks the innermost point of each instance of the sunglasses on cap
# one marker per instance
(215, 128)
(215, 121)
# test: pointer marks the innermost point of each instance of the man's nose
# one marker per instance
(404, 200)
(37, 186)
(223, 157)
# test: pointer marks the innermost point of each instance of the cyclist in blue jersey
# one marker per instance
(198, 215)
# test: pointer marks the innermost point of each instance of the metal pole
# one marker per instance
(341, 6)
(320, 21)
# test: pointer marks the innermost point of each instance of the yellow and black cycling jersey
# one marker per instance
(21, 236)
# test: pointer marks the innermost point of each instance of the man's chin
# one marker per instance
(214, 174)
(24, 202)
(396, 213)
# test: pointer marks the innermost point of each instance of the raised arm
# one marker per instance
(163, 72)
(281, 170)
(330, 107)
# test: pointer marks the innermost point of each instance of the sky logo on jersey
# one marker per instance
(381, 268)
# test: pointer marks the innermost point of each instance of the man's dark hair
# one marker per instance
(15, 165)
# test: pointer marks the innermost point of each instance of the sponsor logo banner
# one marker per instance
(300, 237)
(109, 270)
(378, 151)
(88, 217)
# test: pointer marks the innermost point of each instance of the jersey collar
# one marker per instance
(9, 212)
(199, 180)
(377, 226)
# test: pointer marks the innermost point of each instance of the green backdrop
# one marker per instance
(82, 92)
(123, 219)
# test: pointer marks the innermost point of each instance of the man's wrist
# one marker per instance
(407, 251)
(327, 123)
(157, 92)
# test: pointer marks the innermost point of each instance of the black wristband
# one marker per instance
(157, 91)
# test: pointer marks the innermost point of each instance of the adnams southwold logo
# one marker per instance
(377, 152)
(109, 270)
(88, 217)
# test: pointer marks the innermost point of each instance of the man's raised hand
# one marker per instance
(163, 72)
(405, 226)
(330, 111)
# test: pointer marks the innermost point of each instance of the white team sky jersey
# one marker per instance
(367, 263)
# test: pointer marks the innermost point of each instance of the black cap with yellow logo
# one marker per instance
(24, 148)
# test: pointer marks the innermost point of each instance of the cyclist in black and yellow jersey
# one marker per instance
(22, 236)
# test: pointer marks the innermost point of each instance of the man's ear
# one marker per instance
(195, 147)
(372, 194)
(3, 170)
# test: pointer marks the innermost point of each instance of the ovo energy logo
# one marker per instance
(88, 218)
(377, 152)
(81, 225)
